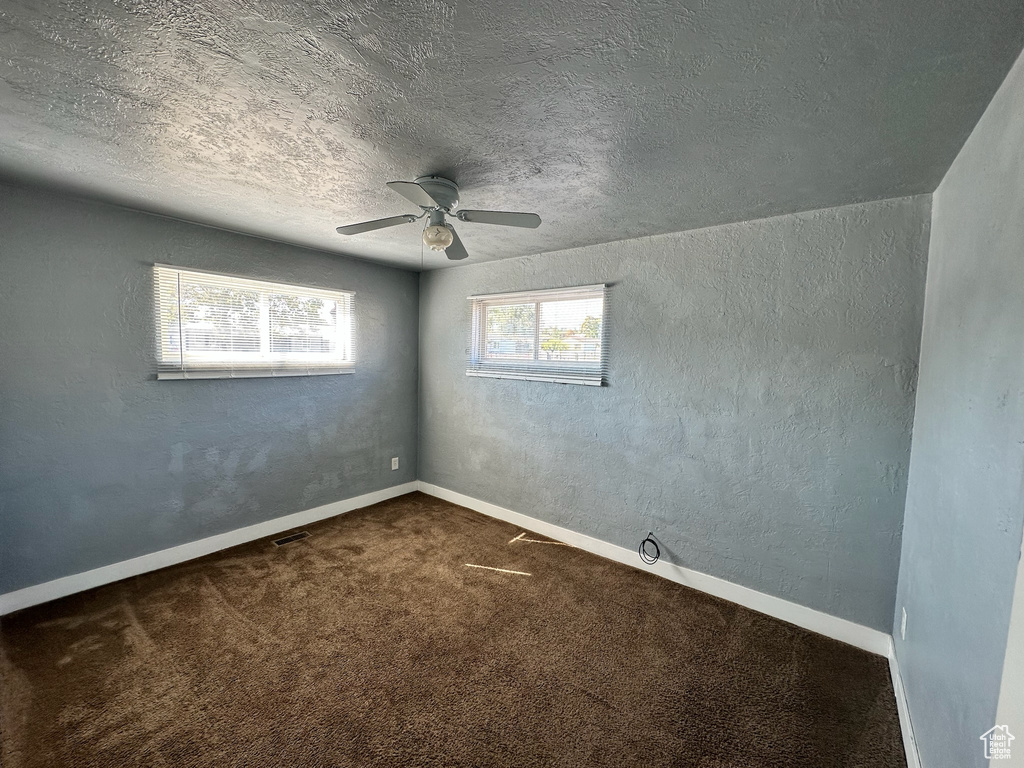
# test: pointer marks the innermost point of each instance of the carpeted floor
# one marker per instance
(371, 643)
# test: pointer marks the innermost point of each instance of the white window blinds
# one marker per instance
(221, 326)
(553, 335)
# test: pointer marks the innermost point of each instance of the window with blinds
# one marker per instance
(553, 335)
(219, 326)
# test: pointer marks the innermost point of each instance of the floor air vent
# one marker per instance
(290, 539)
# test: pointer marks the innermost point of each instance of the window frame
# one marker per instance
(589, 373)
(172, 363)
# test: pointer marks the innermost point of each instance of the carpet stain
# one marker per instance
(371, 644)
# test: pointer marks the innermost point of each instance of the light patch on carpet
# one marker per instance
(500, 570)
(537, 541)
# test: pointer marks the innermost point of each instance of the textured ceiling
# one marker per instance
(611, 119)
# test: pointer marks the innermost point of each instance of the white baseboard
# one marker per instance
(831, 626)
(824, 624)
(903, 708)
(808, 618)
(69, 585)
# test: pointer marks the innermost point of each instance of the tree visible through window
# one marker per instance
(213, 326)
(551, 335)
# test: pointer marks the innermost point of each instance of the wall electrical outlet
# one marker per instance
(903, 625)
(394, 463)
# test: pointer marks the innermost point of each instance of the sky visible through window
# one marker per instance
(229, 325)
(569, 330)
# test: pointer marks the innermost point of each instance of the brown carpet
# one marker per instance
(372, 644)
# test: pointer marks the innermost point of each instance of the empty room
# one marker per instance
(467, 384)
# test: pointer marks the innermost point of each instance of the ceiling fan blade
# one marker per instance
(456, 251)
(414, 193)
(504, 218)
(369, 226)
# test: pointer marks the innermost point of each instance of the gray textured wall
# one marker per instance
(965, 501)
(759, 411)
(99, 462)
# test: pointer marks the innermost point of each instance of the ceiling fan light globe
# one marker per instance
(437, 237)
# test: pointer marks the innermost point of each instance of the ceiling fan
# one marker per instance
(438, 197)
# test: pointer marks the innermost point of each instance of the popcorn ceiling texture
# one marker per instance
(99, 462)
(758, 412)
(612, 119)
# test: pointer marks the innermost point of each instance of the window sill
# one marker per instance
(588, 382)
(249, 373)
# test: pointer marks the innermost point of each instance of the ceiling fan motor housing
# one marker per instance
(444, 191)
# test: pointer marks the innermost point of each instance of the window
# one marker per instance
(556, 335)
(218, 326)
